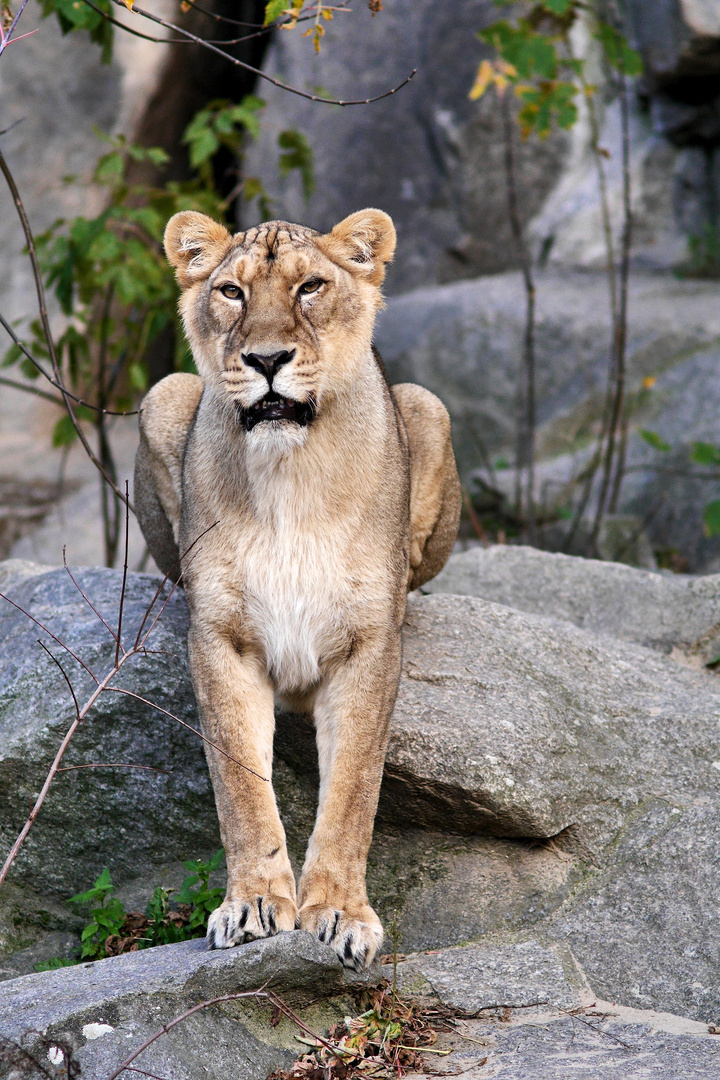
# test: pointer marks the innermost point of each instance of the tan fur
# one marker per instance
(297, 591)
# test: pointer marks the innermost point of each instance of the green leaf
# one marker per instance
(297, 155)
(274, 10)
(653, 439)
(64, 434)
(617, 51)
(705, 453)
(558, 7)
(711, 518)
(12, 356)
(54, 964)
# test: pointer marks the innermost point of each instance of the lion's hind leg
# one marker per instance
(166, 414)
(434, 485)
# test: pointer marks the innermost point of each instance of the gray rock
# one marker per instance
(473, 979)
(427, 155)
(99, 1018)
(604, 1043)
(127, 819)
(464, 342)
(519, 725)
(656, 610)
(538, 1016)
(645, 927)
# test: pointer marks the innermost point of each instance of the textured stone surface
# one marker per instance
(517, 976)
(651, 609)
(427, 155)
(520, 725)
(101, 1012)
(538, 1016)
(602, 1043)
(464, 342)
(644, 928)
(127, 819)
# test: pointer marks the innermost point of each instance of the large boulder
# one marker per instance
(657, 610)
(464, 342)
(538, 774)
(93, 1022)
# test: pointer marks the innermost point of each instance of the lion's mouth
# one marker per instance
(275, 407)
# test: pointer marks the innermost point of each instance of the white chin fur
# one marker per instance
(276, 438)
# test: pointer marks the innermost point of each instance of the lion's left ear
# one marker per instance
(194, 245)
(364, 241)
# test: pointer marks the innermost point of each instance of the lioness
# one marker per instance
(333, 495)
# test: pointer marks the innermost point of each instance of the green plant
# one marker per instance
(106, 918)
(114, 930)
(534, 59)
(114, 286)
(195, 891)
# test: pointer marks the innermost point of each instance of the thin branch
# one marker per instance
(113, 765)
(257, 71)
(268, 995)
(6, 38)
(29, 389)
(118, 636)
(165, 712)
(64, 674)
(53, 636)
(85, 598)
(527, 406)
(60, 386)
(162, 585)
(42, 308)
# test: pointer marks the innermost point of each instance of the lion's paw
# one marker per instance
(247, 918)
(355, 939)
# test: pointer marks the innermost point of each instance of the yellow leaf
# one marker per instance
(327, 14)
(483, 79)
(648, 382)
(129, 4)
(506, 69)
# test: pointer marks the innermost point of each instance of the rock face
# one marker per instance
(97, 1021)
(464, 342)
(125, 818)
(511, 727)
(605, 598)
(427, 155)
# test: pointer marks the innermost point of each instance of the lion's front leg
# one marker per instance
(352, 715)
(236, 706)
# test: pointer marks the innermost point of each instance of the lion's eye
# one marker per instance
(310, 286)
(232, 292)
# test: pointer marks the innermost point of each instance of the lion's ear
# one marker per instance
(194, 245)
(364, 241)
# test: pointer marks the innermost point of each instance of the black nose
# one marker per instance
(268, 365)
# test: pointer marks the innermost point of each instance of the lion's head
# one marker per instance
(280, 316)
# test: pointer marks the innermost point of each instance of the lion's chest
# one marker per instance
(297, 603)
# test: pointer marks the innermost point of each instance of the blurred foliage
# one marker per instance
(533, 58)
(113, 930)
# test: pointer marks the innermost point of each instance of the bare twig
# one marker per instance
(45, 321)
(88, 601)
(118, 636)
(620, 336)
(114, 765)
(165, 712)
(268, 995)
(53, 636)
(258, 71)
(60, 386)
(527, 407)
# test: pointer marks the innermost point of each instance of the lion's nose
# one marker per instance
(268, 365)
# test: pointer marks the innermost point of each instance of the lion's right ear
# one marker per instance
(194, 245)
